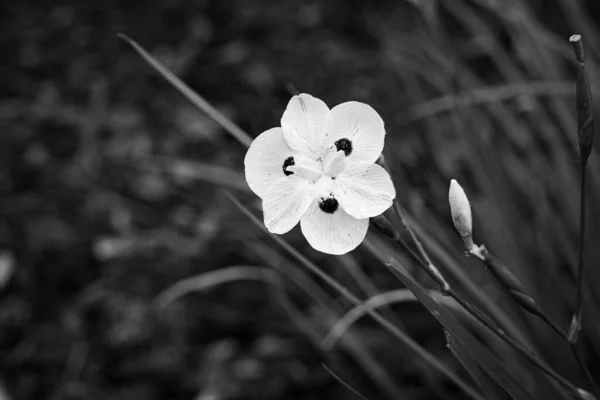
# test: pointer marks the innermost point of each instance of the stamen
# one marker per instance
(345, 145)
(287, 163)
(329, 205)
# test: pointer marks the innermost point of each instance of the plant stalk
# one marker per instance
(494, 264)
(475, 313)
(425, 262)
(576, 323)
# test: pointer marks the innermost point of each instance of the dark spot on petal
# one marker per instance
(328, 205)
(345, 145)
(288, 161)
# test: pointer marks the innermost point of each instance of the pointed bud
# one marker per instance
(461, 213)
(384, 226)
(583, 95)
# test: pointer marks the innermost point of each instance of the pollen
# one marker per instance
(287, 163)
(345, 145)
(328, 205)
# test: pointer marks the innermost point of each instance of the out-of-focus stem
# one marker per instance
(481, 318)
(447, 290)
(496, 267)
(429, 266)
(575, 328)
(585, 136)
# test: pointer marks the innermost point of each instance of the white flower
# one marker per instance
(319, 168)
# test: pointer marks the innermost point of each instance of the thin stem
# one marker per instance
(544, 317)
(511, 342)
(576, 323)
(400, 214)
(584, 368)
(573, 347)
(348, 295)
(430, 267)
(425, 262)
(497, 331)
(495, 265)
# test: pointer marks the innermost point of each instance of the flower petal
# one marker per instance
(332, 233)
(265, 159)
(286, 200)
(307, 125)
(363, 127)
(364, 192)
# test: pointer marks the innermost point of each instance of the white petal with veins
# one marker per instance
(264, 160)
(286, 200)
(336, 233)
(359, 123)
(364, 191)
(307, 126)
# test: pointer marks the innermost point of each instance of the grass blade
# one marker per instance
(200, 103)
(402, 336)
(377, 301)
(487, 384)
(214, 278)
(504, 378)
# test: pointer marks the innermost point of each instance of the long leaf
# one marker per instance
(192, 96)
(402, 336)
(488, 361)
(483, 379)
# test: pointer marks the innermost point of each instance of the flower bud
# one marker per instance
(461, 213)
(583, 100)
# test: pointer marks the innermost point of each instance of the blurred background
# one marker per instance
(110, 188)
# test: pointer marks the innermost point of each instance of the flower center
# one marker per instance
(330, 166)
(333, 163)
(304, 167)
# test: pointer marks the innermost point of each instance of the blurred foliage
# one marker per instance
(101, 211)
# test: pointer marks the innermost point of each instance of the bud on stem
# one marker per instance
(461, 213)
(585, 119)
